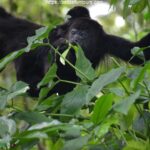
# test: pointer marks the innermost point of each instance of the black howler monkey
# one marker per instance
(79, 29)
(96, 44)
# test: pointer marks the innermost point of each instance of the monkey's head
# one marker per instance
(73, 14)
(77, 12)
(88, 34)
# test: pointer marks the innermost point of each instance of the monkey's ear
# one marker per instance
(3, 13)
(67, 18)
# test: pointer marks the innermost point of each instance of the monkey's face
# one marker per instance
(77, 36)
(86, 33)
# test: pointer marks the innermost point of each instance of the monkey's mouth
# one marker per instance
(74, 42)
(78, 40)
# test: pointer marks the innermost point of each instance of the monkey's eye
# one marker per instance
(74, 31)
(83, 34)
(68, 17)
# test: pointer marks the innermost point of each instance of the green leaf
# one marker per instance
(50, 103)
(32, 117)
(44, 92)
(102, 107)
(64, 55)
(132, 2)
(47, 126)
(102, 81)
(50, 75)
(113, 2)
(36, 135)
(125, 8)
(58, 145)
(147, 16)
(140, 124)
(3, 98)
(137, 51)
(76, 144)
(10, 57)
(103, 128)
(127, 120)
(73, 132)
(140, 76)
(74, 100)
(37, 39)
(139, 6)
(84, 65)
(17, 89)
(117, 91)
(8, 128)
(135, 145)
(43, 32)
(124, 106)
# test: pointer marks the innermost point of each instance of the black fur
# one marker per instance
(79, 29)
(4, 14)
(73, 14)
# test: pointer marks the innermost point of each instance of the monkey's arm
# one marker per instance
(145, 42)
(121, 48)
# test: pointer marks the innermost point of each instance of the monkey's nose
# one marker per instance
(75, 41)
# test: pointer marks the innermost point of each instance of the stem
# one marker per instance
(70, 82)
(148, 91)
(61, 115)
(114, 60)
(145, 120)
(69, 63)
(69, 116)
(124, 87)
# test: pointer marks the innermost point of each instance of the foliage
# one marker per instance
(136, 6)
(85, 118)
(101, 113)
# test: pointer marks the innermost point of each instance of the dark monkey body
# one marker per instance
(79, 29)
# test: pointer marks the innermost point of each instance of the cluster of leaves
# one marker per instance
(101, 112)
(136, 6)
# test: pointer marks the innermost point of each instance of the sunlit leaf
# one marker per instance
(102, 107)
(64, 55)
(136, 145)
